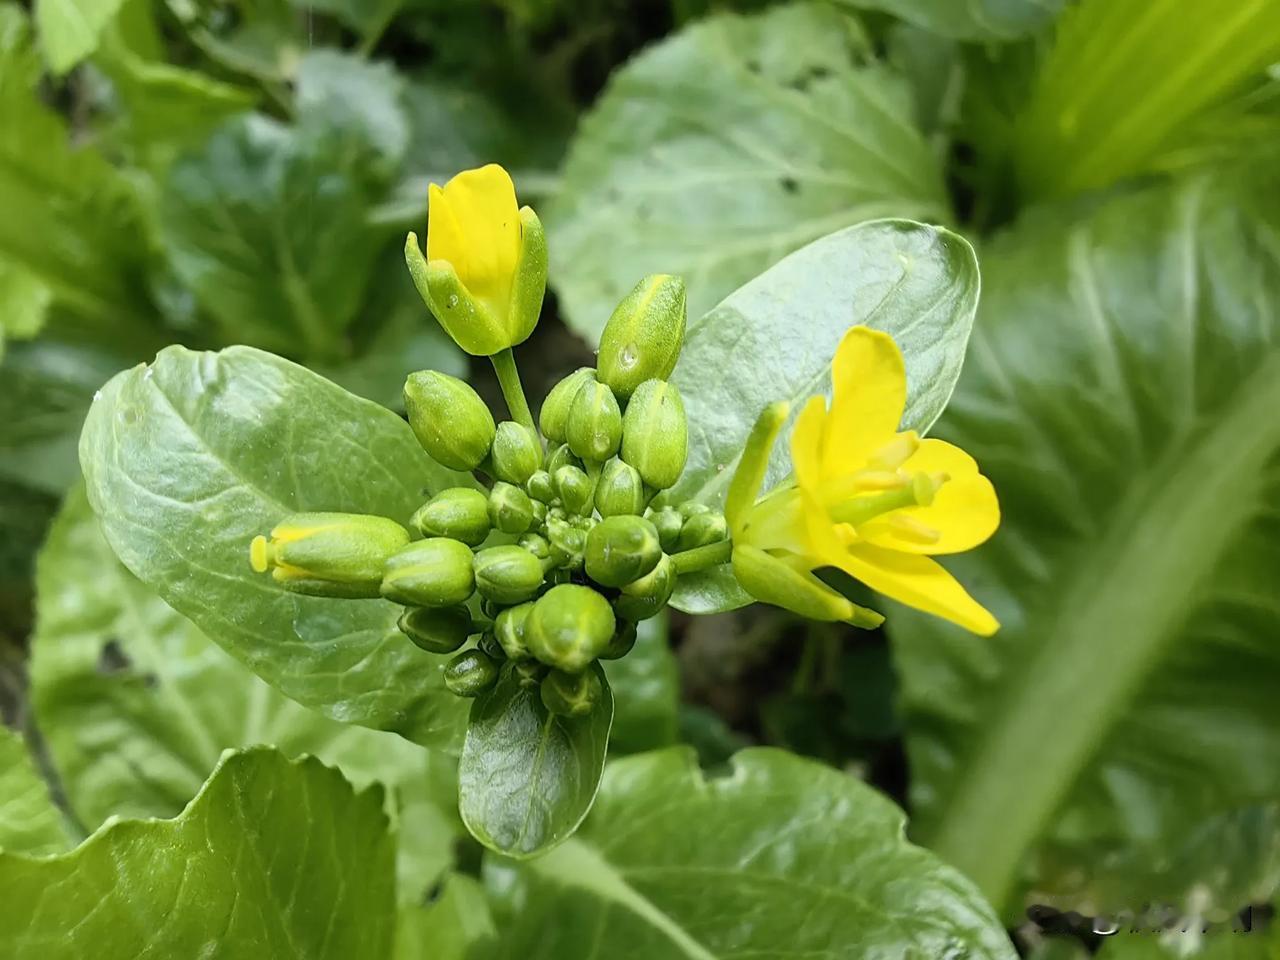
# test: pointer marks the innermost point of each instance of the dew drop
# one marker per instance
(628, 358)
(452, 301)
(147, 374)
(97, 395)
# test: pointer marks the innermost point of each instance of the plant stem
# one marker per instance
(504, 365)
(699, 558)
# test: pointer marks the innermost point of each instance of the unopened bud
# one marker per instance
(568, 544)
(569, 626)
(619, 490)
(574, 487)
(621, 549)
(460, 513)
(594, 430)
(470, 673)
(509, 629)
(624, 638)
(647, 596)
(642, 339)
(668, 523)
(515, 453)
(536, 544)
(430, 573)
(702, 529)
(441, 630)
(449, 419)
(528, 673)
(507, 574)
(554, 416)
(655, 433)
(540, 487)
(328, 554)
(560, 456)
(570, 694)
(510, 509)
(491, 648)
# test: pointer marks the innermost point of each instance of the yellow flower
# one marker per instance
(485, 271)
(866, 499)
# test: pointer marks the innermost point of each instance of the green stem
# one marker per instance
(699, 558)
(504, 365)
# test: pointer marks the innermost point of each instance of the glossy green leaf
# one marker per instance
(254, 223)
(29, 822)
(70, 30)
(273, 858)
(456, 926)
(189, 458)
(646, 691)
(1103, 111)
(722, 149)
(782, 858)
(779, 332)
(1121, 393)
(359, 102)
(527, 777)
(975, 20)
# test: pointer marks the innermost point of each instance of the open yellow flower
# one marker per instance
(485, 271)
(866, 499)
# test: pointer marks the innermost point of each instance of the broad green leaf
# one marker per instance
(136, 705)
(779, 332)
(70, 30)
(263, 38)
(29, 822)
(976, 20)
(1121, 393)
(65, 208)
(189, 458)
(1102, 111)
(646, 691)
(456, 926)
(782, 858)
(527, 777)
(266, 225)
(273, 858)
(359, 103)
(727, 146)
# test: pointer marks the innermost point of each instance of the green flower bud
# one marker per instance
(536, 544)
(646, 597)
(539, 512)
(328, 554)
(585, 524)
(510, 509)
(470, 674)
(516, 453)
(507, 574)
(702, 529)
(554, 416)
(561, 456)
(528, 673)
(691, 508)
(624, 638)
(568, 544)
(459, 513)
(441, 630)
(490, 647)
(595, 422)
(619, 490)
(570, 694)
(668, 523)
(642, 339)
(569, 626)
(490, 609)
(449, 419)
(540, 487)
(574, 487)
(621, 549)
(509, 629)
(655, 433)
(430, 573)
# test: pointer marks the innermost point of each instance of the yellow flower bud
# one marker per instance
(328, 554)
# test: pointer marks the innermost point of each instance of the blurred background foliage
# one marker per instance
(211, 173)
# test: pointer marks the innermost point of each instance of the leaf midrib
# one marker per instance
(1059, 707)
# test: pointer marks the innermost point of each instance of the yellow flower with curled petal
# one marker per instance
(867, 499)
(485, 271)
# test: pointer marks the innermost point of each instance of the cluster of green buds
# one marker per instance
(565, 542)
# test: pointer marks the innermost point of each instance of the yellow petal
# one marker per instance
(964, 512)
(444, 236)
(869, 383)
(483, 242)
(918, 582)
(806, 444)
